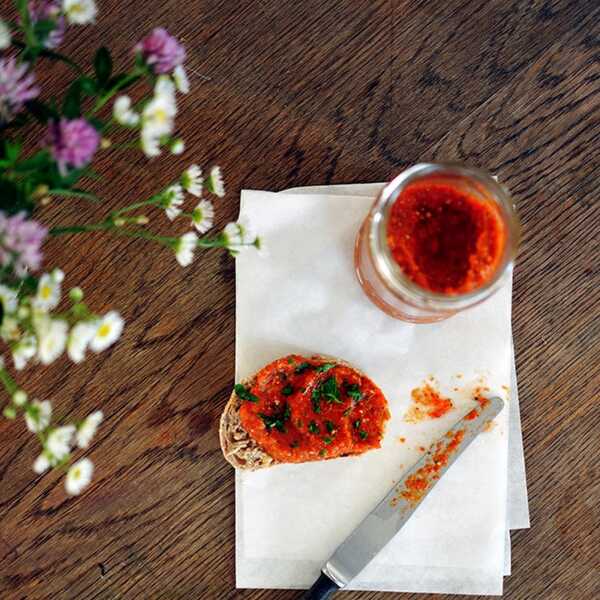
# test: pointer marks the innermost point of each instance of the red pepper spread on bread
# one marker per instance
(301, 409)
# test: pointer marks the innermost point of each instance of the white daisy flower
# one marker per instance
(48, 290)
(87, 430)
(37, 415)
(8, 297)
(79, 476)
(4, 35)
(158, 115)
(41, 464)
(164, 88)
(52, 339)
(184, 248)
(203, 216)
(239, 235)
(192, 180)
(214, 183)
(172, 200)
(79, 338)
(24, 350)
(181, 81)
(247, 232)
(59, 441)
(232, 235)
(19, 398)
(80, 12)
(108, 330)
(150, 145)
(123, 112)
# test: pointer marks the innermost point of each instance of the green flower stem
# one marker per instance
(103, 226)
(73, 194)
(115, 89)
(26, 23)
(8, 382)
(153, 200)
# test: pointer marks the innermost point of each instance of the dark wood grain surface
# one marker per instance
(292, 93)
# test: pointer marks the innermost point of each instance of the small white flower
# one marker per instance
(37, 415)
(184, 248)
(158, 115)
(80, 12)
(19, 398)
(79, 338)
(181, 81)
(247, 232)
(23, 351)
(108, 330)
(177, 146)
(215, 182)
(123, 112)
(8, 297)
(87, 429)
(192, 180)
(59, 441)
(48, 291)
(172, 200)
(240, 235)
(41, 464)
(150, 145)
(52, 338)
(4, 35)
(164, 88)
(203, 216)
(79, 476)
(232, 235)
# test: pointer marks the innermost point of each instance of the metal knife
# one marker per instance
(390, 515)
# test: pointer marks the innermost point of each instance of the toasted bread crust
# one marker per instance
(239, 449)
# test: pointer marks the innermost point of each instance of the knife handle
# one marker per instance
(322, 588)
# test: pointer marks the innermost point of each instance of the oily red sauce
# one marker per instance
(417, 484)
(444, 239)
(428, 403)
(304, 410)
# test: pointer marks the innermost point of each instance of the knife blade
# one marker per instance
(399, 504)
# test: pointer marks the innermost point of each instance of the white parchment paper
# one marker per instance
(305, 299)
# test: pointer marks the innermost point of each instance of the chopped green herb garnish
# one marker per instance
(324, 367)
(330, 391)
(244, 393)
(354, 392)
(288, 390)
(327, 440)
(301, 368)
(303, 390)
(329, 426)
(291, 361)
(357, 424)
(277, 421)
(363, 434)
(294, 444)
(313, 427)
(322, 452)
(316, 400)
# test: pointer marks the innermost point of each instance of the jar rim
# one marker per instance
(390, 271)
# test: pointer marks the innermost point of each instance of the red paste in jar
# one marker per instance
(444, 239)
(304, 409)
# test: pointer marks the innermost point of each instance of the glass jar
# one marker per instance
(382, 278)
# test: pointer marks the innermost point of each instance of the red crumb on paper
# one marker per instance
(418, 483)
(428, 403)
(471, 415)
(421, 448)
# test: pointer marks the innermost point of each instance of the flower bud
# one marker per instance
(76, 294)
(19, 398)
(105, 143)
(9, 412)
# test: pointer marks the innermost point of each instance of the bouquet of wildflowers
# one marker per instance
(33, 326)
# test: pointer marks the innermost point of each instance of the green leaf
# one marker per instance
(103, 66)
(325, 367)
(301, 368)
(88, 86)
(288, 390)
(43, 28)
(354, 392)
(330, 390)
(38, 161)
(72, 103)
(244, 393)
(13, 199)
(12, 150)
(40, 111)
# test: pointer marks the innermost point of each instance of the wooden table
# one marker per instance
(292, 93)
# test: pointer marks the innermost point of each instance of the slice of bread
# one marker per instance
(239, 449)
